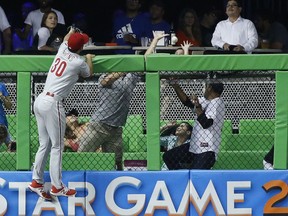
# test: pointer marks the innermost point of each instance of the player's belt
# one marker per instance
(56, 97)
(50, 94)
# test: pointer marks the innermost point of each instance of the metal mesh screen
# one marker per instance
(247, 134)
(244, 99)
(248, 130)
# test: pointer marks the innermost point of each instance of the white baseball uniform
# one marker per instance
(50, 114)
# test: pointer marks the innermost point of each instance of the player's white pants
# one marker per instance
(50, 116)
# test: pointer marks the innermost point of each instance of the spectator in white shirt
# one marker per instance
(34, 18)
(235, 33)
(46, 39)
(206, 134)
(5, 28)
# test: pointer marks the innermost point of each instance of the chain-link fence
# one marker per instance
(107, 127)
(8, 130)
(248, 124)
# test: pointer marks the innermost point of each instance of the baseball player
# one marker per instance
(64, 72)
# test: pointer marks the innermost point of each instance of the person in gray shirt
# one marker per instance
(105, 128)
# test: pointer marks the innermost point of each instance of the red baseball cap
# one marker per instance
(77, 40)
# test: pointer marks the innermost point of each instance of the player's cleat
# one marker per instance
(34, 186)
(64, 191)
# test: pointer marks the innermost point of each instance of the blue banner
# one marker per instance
(137, 193)
(160, 193)
(16, 198)
(239, 193)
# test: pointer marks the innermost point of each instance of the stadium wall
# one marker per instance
(153, 192)
(150, 193)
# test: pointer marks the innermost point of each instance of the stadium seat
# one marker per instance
(12, 120)
(88, 161)
(238, 160)
(3, 147)
(85, 161)
(34, 142)
(226, 133)
(84, 119)
(131, 131)
(142, 142)
(227, 127)
(134, 161)
(138, 159)
(8, 161)
(256, 126)
(33, 125)
(134, 156)
(248, 142)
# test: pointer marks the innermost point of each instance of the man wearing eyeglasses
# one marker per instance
(235, 33)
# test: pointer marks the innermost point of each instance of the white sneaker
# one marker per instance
(64, 191)
(39, 189)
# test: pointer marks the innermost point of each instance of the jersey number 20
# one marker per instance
(58, 67)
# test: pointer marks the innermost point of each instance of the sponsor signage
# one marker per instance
(185, 192)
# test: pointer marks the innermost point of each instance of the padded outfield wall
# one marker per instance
(149, 192)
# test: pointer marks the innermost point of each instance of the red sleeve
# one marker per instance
(182, 37)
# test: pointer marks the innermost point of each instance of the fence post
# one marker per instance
(153, 120)
(281, 121)
(23, 120)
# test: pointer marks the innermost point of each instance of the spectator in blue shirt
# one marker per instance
(6, 102)
(130, 26)
(156, 14)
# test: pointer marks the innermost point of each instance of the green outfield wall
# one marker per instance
(25, 65)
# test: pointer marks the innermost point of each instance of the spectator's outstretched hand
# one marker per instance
(185, 46)
(158, 35)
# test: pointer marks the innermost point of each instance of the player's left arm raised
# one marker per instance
(71, 31)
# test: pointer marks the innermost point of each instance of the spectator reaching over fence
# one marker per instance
(105, 128)
(206, 134)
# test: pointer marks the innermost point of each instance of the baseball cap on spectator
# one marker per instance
(76, 41)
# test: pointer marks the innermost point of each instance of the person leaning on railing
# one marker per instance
(235, 33)
(112, 108)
